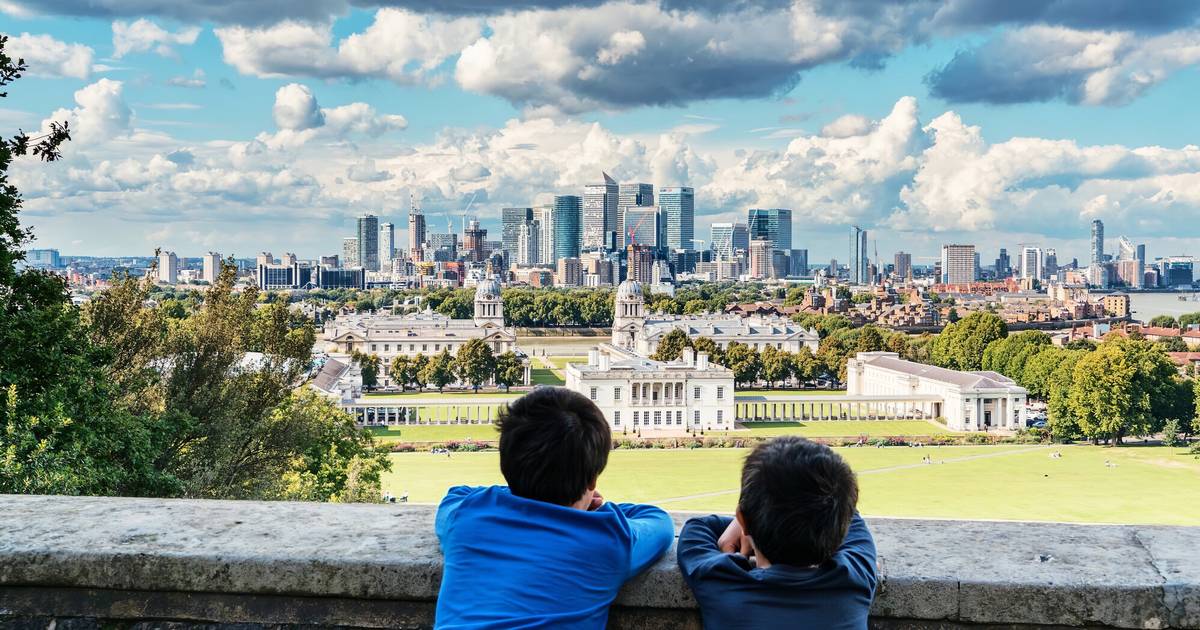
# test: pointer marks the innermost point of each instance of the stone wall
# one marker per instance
(68, 562)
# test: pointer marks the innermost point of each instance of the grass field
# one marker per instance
(467, 395)
(769, 393)
(434, 433)
(1148, 485)
(826, 428)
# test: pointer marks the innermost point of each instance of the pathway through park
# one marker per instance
(871, 471)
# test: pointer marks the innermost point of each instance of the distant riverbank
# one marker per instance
(1147, 306)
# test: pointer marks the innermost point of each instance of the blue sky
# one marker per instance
(269, 126)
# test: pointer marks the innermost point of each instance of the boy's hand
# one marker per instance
(734, 540)
(597, 501)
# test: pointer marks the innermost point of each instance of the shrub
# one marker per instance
(403, 448)
(1171, 434)
(978, 438)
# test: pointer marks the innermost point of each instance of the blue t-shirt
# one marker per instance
(834, 596)
(512, 562)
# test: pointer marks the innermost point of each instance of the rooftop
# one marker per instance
(975, 380)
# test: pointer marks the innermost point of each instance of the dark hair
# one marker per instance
(798, 498)
(554, 443)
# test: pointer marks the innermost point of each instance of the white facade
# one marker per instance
(971, 401)
(641, 395)
(168, 268)
(428, 333)
(635, 331)
(212, 267)
(387, 245)
(958, 264)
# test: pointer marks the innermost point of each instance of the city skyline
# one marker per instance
(874, 127)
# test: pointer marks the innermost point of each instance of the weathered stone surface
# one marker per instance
(77, 559)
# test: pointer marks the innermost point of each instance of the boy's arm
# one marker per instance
(651, 530)
(446, 509)
(698, 546)
(858, 549)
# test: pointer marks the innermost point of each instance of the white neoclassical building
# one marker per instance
(971, 401)
(427, 333)
(634, 330)
(640, 394)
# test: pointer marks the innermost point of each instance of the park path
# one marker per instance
(953, 460)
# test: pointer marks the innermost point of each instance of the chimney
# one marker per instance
(603, 361)
(689, 357)
(702, 361)
(593, 357)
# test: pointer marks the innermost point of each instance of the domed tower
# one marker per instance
(489, 308)
(629, 315)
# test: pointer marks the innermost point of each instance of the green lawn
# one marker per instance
(1148, 484)
(841, 428)
(434, 433)
(790, 392)
(458, 395)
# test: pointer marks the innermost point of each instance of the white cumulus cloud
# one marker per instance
(143, 36)
(50, 57)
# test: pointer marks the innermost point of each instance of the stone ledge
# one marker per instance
(230, 562)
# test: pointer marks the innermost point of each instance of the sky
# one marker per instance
(240, 126)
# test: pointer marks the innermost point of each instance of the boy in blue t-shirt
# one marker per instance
(814, 558)
(546, 551)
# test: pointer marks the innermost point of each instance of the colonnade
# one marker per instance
(423, 413)
(884, 409)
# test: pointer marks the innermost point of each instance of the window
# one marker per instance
(696, 417)
(720, 416)
(635, 390)
(617, 393)
(678, 417)
(424, 346)
(720, 393)
(386, 347)
(372, 347)
(411, 347)
(595, 390)
(696, 393)
(616, 418)
(437, 346)
(635, 418)
(657, 418)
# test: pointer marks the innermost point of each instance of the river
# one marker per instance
(1147, 306)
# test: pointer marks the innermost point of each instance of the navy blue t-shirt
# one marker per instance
(512, 562)
(834, 596)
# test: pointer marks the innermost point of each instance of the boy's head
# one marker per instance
(554, 444)
(798, 498)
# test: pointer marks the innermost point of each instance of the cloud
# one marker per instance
(49, 57)
(1042, 63)
(143, 36)
(1083, 14)
(365, 172)
(296, 108)
(846, 126)
(399, 46)
(219, 11)
(194, 81)
(100, 113)
(300, 119)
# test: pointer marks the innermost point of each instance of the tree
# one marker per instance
(402, 370)
(671, 346)
(439, 370)
(1173, 344)
(1009, 355)
(369, 364)
(961, 345)
(744, 361)
(475, 363)
(802, 365)
(508, 370)
(775, 365)
(1188, 320)
(706, 344)
(419, 375)
(1123, 388)
(1164, 321)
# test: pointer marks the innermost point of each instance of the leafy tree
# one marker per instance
(671, 346)
(744, 361)
(460, 305)
(509, 370)
(1124, 388)
(706, 344)
(961, 345)
(369, 364)
(475, 363)
(419, 375)
(1164, 321)
(802, 365)
(1173, 344)
(1188, 320)
(439, 370)
(1083, 344)
(1057, 390)
(775, 365)
(1009, 355)
(401, 370)
(1171, 433)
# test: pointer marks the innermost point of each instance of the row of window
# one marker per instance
(643, 418)
(594, 394)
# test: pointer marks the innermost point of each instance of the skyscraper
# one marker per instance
(568, 233)
(474, 237)
(544, 216)
(168, 268)
(678, 204)
(773, 224)
(350, 252)
(211, 267)
(631, 196)
(511, 220)
(903, 263)
(416, 233)
(1031, 263)
(1097, 242)
(799, 262)
(1050, 263)
(643, 227)
(858, 255)
(528, 250)
(599, 213)
(368, 242)
(728, 238)
(1003, 265)
(958, 264)
(761, 260)
(387, 245)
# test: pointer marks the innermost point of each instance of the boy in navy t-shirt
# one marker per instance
(814, 558)
(546, 551)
